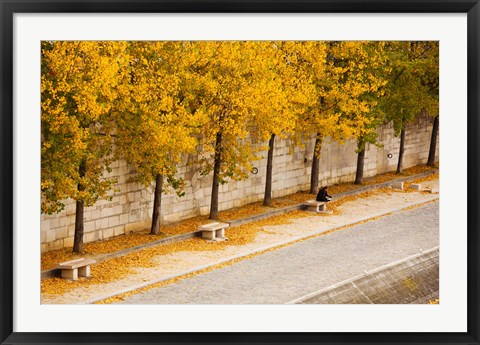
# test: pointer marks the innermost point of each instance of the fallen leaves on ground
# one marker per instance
(408, 185)
(431, 177)
(118, 268)
(54, 257)
(184, 226)
(381, 178)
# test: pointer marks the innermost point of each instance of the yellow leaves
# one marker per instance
(346, 80)
(168, 98)
(159, 124)
(78, 95)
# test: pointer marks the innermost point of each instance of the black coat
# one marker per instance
(322, 195)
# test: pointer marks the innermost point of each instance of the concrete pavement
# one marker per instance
(271, 237)
(280, 276)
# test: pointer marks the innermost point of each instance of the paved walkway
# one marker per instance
(181, 262)
(288, 273)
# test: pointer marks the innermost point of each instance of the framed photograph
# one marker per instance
(444, 35)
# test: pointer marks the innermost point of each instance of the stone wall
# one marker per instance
(131, 206)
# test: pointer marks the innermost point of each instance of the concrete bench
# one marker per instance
(416, 186)
(315, 206)
(214, 231)
(75, 268)
(397, 185)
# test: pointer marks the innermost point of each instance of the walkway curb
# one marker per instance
(53, 272)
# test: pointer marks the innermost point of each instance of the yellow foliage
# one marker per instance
(80, 85)
(161, 100)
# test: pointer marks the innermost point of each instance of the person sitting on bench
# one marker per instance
(323, 195)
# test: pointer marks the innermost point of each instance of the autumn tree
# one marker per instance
(79, 83)
(430, 79)
(408, 92)
(224, 88)
(157, 127)
(307, 60)
(283, 91)
(345, 79)
(358, 81)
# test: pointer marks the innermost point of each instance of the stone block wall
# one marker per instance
(131, 206)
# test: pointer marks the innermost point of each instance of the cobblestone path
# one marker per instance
(282, 275)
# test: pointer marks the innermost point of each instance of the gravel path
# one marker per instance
(288, 273)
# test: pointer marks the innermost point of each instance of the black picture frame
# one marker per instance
(10, 7)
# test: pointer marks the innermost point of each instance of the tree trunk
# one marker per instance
(267, 200)
(78, 237)
(157, 203)
(216, 180)
(360, 163)
(433, 143)
(315, 165)
(402, 150)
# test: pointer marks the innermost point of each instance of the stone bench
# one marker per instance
(75, 268)
(416, 186)
(315, 206)
(397, 185)
(214, 231)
